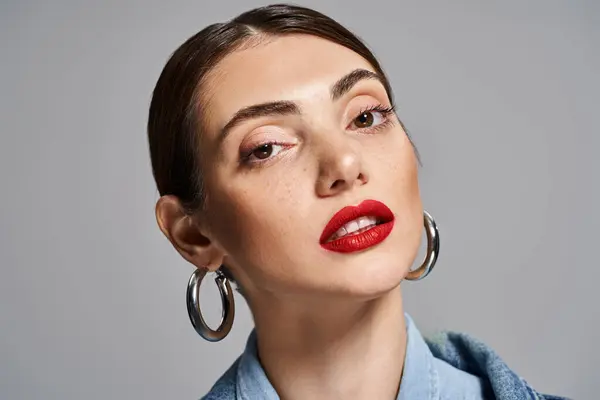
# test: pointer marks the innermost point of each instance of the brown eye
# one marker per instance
(364, 120)
(371, 118)
(263, 152)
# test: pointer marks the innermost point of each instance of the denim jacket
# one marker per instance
(448, 366)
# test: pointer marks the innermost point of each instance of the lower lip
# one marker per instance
(361, 241)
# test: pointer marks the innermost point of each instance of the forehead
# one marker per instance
(293, 67)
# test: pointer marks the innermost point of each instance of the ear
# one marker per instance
(186, 235)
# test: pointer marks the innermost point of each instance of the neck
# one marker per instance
(333, 349)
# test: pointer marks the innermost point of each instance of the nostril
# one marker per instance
(337, 183)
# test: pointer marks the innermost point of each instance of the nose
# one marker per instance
(340, 167)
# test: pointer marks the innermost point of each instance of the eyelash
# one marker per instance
(247, 162)
(380, 108)
(384, 111)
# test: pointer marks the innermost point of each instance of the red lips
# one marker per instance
(361, 241)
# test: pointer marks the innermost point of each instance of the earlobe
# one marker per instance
(185, 235)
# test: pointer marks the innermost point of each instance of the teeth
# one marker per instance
(354, 226)
(341, 232)
(363, 222)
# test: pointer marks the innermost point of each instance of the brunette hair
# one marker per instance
(175, 121)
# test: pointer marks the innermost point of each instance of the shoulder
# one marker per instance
(225, 387)
(468, 354)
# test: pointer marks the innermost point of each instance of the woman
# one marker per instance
(283, 167)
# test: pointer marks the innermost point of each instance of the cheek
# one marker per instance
(261, 223)
(398, 172)
(395, 164)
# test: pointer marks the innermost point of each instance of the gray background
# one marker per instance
(499, 97)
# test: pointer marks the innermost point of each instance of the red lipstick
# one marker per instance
(363, 238)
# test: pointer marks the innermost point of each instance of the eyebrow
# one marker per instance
(347, 82)
(337, 90)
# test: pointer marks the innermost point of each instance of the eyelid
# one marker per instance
(265, 135)
(364, 100)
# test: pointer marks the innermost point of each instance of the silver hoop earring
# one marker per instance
(433, 249)
(193, 306)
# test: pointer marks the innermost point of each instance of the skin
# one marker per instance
(329, 325)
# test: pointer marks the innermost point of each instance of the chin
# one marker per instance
(380, 279)
(367, 276)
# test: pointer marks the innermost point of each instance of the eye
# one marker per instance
(372, 117)
(263, 152)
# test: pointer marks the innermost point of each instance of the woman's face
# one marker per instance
(303, 146)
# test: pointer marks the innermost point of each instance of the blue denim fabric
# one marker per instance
(425, 377)
(448, 366)
(470, 355)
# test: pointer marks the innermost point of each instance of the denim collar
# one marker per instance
(420, 380)
(252, 382)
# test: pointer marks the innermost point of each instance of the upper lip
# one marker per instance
(368, 208)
